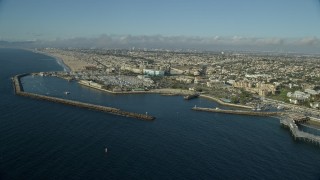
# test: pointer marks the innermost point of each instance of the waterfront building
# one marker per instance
(152, 72)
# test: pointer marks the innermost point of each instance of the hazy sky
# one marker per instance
(65, 19)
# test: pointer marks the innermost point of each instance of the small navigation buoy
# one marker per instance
(106, 150)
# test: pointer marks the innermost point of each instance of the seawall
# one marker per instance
(19, 91)
(238, 112)
(224, 103)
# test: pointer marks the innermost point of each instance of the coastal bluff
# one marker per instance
(18, 89)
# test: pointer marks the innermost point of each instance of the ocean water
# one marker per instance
(45, 140)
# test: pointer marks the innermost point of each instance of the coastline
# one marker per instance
(181, 92)
(170, 92)
(69, 63)
(60, 61)
(224, 103)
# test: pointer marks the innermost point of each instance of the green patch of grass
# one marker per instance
(282, 96)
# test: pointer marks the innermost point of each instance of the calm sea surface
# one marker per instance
(45, 140)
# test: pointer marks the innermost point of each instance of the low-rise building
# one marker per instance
(315, 105)
(298, 97)
(185, 79)
(311, 91)
(152, 72)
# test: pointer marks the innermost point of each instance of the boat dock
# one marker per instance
(18, 88)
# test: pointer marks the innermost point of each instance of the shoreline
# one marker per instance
(60, 61)
(155, 91)
(170, 92)
(18, 88)
(224, 103)
(178, 92)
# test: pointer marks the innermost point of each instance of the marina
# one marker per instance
(290, 122)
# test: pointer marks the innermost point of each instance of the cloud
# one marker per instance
(270, 41)
(308, 41)
(186, 42)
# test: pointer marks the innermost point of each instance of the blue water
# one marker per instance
(45, 140)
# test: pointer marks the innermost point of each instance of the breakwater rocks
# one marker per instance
(251, 113)
(19, 91)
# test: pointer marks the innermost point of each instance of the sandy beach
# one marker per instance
(69, 62)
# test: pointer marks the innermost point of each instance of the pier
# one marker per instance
(291, 123)
(18, 88)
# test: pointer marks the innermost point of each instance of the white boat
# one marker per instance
(106, 150)
(279, 107)
(67, 92)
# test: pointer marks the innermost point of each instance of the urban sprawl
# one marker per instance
(259, 80)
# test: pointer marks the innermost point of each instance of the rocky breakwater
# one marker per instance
(238, 112)
(19, 91)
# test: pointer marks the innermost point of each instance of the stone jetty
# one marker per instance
(239, 112)
(18, 88)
